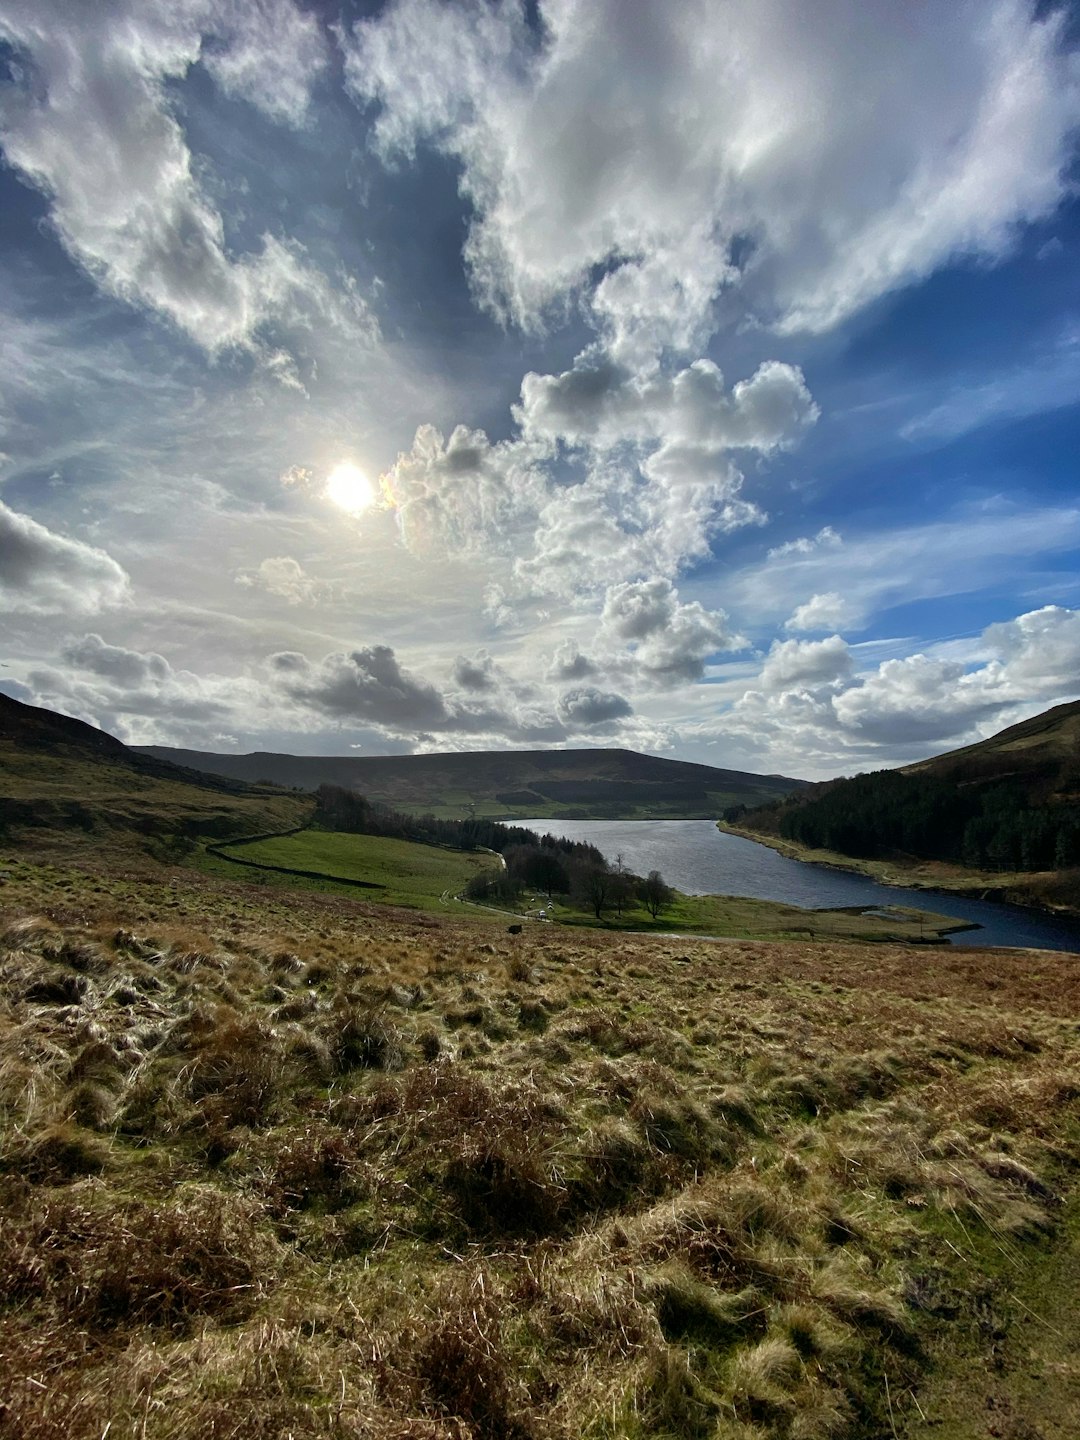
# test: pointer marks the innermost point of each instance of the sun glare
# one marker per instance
(349, 488)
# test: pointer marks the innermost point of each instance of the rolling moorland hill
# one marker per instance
(579, 784)
(1043, 752)
(1008, 805)
(61, 775)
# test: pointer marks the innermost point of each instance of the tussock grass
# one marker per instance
(286, 1165)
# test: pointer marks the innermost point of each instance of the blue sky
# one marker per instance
(697, 377)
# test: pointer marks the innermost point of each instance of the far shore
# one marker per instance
(1048, 892)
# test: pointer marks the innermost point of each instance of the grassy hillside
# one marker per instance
(1044, 752)
(280, 1163)
(1003, 815)
(583, 784)
(422, 876)
(62, 779)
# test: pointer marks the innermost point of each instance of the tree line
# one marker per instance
(584, 879)
(995, 826)
(546, 864)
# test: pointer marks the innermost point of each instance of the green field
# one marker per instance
(409, 874)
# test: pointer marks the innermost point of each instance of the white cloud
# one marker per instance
(806, 664)
(826, 537)
(92, 126)
(284, 577)
(45, 573)
(668, 640)
(598, 403)
(828, 611)
(1041, 648)
(810, 709)
(465, 494)
(569, 662)
(676, 149)
(269, 52)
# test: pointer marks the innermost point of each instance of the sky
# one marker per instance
(700, 377)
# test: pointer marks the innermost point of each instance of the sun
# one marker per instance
(349, 488)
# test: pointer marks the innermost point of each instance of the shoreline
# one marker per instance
(993, 889)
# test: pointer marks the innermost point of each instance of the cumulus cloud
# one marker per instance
(680, 151)
(809, 701)
(586, 706)
(284, 577)
(598, 403)
(569, 662)
(134, 694)
(45, 573)
(1040, 648)
(668, 640)
(90, 124)
(367, 685)
(660, 484)
(463, 494)
(370, 686)
(128, 668)
(806, 664)
(478, 674)
(828, 611)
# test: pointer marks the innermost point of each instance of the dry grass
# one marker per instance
(289, 1165)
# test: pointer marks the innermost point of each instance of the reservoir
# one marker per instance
(697, 858)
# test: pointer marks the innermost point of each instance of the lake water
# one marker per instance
(697, 858)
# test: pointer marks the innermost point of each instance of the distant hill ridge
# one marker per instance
(509, 783)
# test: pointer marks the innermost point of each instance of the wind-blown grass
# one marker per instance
(287, 1163)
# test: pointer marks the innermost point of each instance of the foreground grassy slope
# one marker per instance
(586, 784)
(283, 1163)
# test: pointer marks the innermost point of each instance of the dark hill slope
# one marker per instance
(1008, 803)
(507, 784)
(60, 774)
(1043, 753)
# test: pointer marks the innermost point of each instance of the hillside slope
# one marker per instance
(1043, 753)
(1007, 807)
(61, 775)
(585, 784)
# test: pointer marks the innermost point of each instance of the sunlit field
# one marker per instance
(292, 1163)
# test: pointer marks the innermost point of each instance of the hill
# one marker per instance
(1043, 752)
(61, 775)
(993, 814)
(579, 784)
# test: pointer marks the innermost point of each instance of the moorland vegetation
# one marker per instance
(277, 1160)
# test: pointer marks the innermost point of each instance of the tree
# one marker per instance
(590, 885)
(655, 894)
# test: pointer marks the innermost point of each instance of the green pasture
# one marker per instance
(409, 874)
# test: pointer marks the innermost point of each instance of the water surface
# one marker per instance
(697, 858)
